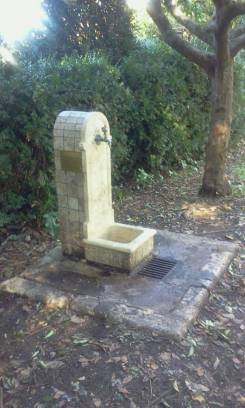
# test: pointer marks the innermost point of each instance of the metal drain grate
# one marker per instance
(157, 268)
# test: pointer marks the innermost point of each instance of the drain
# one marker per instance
(157, 268)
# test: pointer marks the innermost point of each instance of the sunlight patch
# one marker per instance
(201, 211)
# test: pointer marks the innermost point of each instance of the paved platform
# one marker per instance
(167, 306)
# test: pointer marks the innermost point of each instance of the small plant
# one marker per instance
(143, 178)
(119, 195)
(51, 224)
(4, 219)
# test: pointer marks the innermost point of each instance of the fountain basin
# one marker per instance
(121, 246)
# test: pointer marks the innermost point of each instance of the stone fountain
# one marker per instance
(170, 275)
(82, 144)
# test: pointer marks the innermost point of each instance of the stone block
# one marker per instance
(73, 216)
(73, 203)
(62, 200)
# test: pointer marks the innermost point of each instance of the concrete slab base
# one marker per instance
(166, 306)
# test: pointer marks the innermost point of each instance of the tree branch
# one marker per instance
(236, 32)
(194, 28)
(201, 58)
(230, 11)
(221, 3)
(237, 44)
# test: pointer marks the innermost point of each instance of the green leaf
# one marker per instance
(50, 334)
(80, 342)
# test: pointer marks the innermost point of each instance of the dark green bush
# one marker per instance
(31, 95)
(25, 145)
(171, 107)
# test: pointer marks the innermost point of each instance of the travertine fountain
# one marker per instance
(82, 145)
(170, 280)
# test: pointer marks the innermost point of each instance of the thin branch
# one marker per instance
(201, 58)
(239, 7)
(237, 44)
(200, 31)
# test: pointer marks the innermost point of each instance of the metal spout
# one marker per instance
(106, 138)
(98, 139)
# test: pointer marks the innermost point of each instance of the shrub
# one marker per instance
(31, 96)
(170, 109)
(25, 148)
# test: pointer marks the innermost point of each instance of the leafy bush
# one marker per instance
(31, 96)
(25, 148)
(170, 109)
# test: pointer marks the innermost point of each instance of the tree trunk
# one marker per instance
(215, 182)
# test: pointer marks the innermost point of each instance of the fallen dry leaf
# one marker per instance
(24, 374)
(196, 388)
(236, 361)
(200, 371)
(124, 359)
(216, 363)
(165, 357)
(127, 379)
(112, 347)
(175, 386)
(148, 312)
(97, 402)
(118, 359)
(123, 390)
(54, 365)
(153, 365)
(84, 361)
(58, 393)
(242, 400)
(77, 320)
(198, 397)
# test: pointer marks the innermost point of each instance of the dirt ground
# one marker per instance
(52, 358)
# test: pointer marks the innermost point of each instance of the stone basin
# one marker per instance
(122, 246)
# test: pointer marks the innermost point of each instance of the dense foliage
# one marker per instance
(168, 127)
(156, 103)
(83, 25)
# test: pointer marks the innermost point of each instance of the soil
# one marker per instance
(52, 358)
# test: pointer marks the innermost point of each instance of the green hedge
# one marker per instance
(156, 103)
(171, 104)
